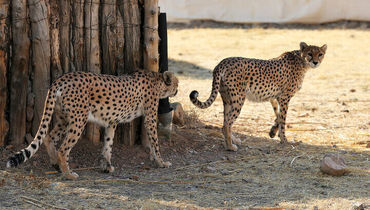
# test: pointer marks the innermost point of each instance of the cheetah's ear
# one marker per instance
(167, 77)
(303, 45)
(324, 47)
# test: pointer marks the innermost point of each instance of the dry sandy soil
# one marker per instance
(331, 114)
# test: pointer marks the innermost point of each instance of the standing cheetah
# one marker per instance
(78, 97)
(275, 80)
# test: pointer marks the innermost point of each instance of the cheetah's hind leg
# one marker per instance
(74, 131)
(52, 139)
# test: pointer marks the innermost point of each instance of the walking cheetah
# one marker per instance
(79, 97)
(275, 80)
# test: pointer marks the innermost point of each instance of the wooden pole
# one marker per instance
(129, 10)
(78, 35)
(56, 68)
(19, 72)
(151, 56)
(120, 42)
(92, 55)
(4, 55)
(151, 38)
(108, 36)
(40, 57)
(65, 14)
(120, 58)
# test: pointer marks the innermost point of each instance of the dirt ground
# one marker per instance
(330, 114)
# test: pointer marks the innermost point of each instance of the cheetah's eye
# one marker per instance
(320, 54)
(310, 54)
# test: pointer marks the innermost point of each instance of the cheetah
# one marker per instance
(78, 97)
(275, 80)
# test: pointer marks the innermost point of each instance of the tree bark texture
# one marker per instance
(151, 38)
(108, 36)
(65, 20)
(120, 42)
(19, 72)
(54, 19)
(78, 35)
(130, 12)
(100, 36)
(40, 57)
(4, 55)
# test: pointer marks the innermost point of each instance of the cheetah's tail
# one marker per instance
(215, 88)
(27, 153)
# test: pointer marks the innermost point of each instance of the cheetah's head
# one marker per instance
(313, 55)
(169, 89)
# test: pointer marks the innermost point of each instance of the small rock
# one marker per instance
(211, 169)
(333, 164)
(225, 172)
(352, 90)
(178, 114)
(193, 152)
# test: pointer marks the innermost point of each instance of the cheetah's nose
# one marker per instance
(315, 62)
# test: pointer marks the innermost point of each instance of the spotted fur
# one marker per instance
(79, 97)
(275, 80)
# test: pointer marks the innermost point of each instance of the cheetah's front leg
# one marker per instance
(283, 103)
(107, 149)
(150, 123)
(275, 127)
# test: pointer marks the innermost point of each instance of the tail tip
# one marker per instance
(193, 95)
(15, 160)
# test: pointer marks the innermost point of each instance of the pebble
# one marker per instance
(333, 164)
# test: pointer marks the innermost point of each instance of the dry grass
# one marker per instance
(331, 114)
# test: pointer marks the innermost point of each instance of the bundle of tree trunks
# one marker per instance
(42, 39)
